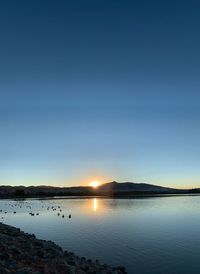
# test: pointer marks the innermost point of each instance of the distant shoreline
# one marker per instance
(138, 196)
(108, 190)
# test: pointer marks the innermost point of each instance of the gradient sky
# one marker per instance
(99, 89)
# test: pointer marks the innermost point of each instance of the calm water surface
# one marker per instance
(151, 235)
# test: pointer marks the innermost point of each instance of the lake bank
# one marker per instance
(24, 253)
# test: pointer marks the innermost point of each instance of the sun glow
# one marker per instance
(95, 184)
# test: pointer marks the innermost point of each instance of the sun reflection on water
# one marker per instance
(95, 205)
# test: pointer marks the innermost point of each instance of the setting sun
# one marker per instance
(95, 184)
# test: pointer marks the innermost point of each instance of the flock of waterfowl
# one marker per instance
(31, 212)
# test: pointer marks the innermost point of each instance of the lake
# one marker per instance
(149, 235)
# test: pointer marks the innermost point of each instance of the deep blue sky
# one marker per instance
(98, 89)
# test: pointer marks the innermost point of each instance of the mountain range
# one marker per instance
(110, 189)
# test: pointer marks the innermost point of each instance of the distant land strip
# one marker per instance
(112, 189)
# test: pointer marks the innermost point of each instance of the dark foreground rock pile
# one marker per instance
(22, 253)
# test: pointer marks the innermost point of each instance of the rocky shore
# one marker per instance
(23, 253)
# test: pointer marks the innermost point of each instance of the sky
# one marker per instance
(99, 90)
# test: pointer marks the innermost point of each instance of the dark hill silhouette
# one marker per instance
(114, 188)
(128, 186)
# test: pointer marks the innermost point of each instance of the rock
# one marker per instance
(25, 254)
(84, 266)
